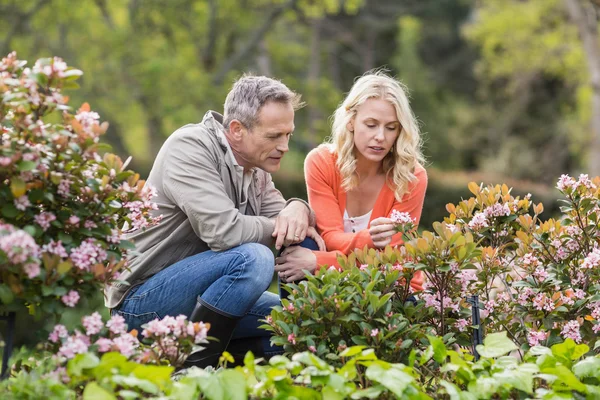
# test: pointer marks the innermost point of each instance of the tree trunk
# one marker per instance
(584, 17)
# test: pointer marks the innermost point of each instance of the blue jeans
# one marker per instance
(233, 282)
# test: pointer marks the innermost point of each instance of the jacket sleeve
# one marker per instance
(193, 183)
(272, 201)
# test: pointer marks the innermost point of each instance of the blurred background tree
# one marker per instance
(506, 90)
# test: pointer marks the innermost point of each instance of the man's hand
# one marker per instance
(291, 263)
(381, 231)
(291, 224)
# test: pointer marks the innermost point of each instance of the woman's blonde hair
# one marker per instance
(400, 163)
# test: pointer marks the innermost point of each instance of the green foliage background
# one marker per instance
(499, 85)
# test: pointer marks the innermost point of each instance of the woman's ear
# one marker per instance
(350, 125)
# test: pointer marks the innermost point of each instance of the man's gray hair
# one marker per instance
(250, 93)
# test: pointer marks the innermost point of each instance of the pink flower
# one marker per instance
(19, 246)
(290, 307)
(116, 324)
(292, 338)
(21, 203)
(592, 260)
(374, 332)
(401, 218)
(89, 225)
(478, 222)
(87, 119)
(363, 267)
(571, 330)
(565, 182)
(59, 331)
(312, 349)
(453, 228)
(126, 344)
(596, 328)
(44, 219)
(57, 248)
(540, 273)
(269, 319)
(73, 220)
(584, 180)
(542, 302)
(70, 299)
(64, 187)
(104, 345)
(497, 210)
(32, 269)
(74, 345)
(535, 337)
(5, 161)
(88, 254)
(461, 324)
(93, 323)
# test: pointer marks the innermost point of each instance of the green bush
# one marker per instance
(360, 306)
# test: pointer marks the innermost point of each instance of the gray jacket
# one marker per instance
(203, 201)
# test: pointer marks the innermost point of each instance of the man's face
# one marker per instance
(265, 144)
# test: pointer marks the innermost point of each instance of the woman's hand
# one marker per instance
(312, 233)
(381, 230)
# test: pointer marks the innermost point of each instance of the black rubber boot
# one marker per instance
(221, 328)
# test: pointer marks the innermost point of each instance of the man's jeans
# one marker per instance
(232, 281)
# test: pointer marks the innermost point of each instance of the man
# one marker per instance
(208, 258)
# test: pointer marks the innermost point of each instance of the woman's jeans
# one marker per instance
(234, 282)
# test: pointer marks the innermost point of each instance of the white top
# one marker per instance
(355, 224)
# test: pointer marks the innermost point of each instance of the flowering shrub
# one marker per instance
(537, 280)
(168, 341)
(64, 201)
(359, 306)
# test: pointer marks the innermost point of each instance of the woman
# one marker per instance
(372, 166)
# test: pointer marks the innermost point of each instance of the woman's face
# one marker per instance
(376, 128)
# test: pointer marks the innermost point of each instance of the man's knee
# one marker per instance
(260, 261)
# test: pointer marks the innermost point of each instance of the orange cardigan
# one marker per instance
(328, 199)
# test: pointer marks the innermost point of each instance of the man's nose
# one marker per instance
(284, 145)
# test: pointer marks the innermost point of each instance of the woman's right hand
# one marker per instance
(312, 233)
(381, 230)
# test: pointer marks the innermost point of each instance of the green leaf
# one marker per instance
(65, 238)
(93, 391)
(496, 345)
(81, 362)
(439, 349)
(6, 295)
(395, 380)
(518, 379)
(9, 210)
(352, 351)
(133, 382)
(25, 165)
(160, 375)
(587, 367)
(374, 392)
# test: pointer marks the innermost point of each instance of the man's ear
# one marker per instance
(236, 129)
